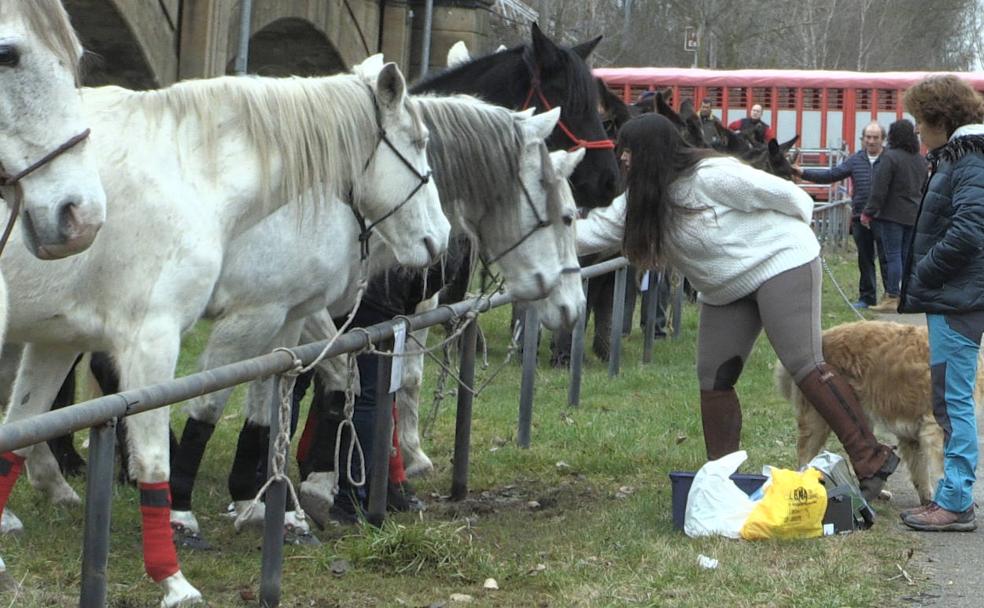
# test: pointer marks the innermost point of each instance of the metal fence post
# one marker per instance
(382, 442)
(650, 304)
(577, 355)
(273, 524)
(98, 505)
(618, 315)
(677, 304)
(463, 418)
(531, 338)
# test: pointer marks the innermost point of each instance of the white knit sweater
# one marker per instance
(755, 226)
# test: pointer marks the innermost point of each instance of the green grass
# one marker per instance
(601, 534)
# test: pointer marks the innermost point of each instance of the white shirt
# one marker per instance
(753, 226)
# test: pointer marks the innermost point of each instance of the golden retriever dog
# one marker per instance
(887, 364)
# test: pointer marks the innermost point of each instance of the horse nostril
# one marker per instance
(68, 219)
(432, 249)
(566, 315)
(541, 282)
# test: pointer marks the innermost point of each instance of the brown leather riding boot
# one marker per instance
(720, 414)
(835, 400)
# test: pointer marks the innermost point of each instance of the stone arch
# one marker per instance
(292, 46)
(114, 53)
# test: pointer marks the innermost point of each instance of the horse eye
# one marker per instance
(568, 220)
(9, 57)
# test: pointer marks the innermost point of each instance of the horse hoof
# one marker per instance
(255, 517)
(419, 468)
(10, 523)
(317, 496)
(178, 592)
(186, 538)
(7, 583)
(65, 497)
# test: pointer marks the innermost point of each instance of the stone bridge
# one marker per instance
(153, 43)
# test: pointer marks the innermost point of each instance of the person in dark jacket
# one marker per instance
(944, 278)
(859, 167)
(891, 210)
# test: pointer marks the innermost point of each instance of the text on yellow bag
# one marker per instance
(792, 507)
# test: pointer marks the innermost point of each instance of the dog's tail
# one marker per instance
(786, 386)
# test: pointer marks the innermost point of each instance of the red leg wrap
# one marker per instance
(10, 468)
(397, 473)
(160, 557)
(307, 436)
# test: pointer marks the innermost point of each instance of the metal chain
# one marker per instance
(830, 274)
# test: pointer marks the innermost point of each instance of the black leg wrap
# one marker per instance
(331, 411)
(249, 453)
(186, 460)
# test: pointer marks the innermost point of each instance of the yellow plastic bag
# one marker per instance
(792, 507)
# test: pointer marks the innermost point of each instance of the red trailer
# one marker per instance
(828, 109)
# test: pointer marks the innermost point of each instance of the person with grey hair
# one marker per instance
(859, 168)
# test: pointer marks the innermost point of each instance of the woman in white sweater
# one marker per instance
(743, 239)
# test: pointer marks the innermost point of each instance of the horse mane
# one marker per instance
(48, 20)
(323, 130)
(474, 150)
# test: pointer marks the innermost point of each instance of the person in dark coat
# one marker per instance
(891, 210)
(943, 277)
(859, 167)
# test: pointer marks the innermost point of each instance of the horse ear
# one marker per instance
(370, 67)
(785, 146)
(458, 54)
(565, 162)
(391, 87)
(545, 51)
(584, 49)
(664, 108)
(524, 114)
(542, 125)
(774, 148)
(687, 109)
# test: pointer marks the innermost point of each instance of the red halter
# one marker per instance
(601, 144)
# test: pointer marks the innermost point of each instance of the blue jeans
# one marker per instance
(954, 341)
(893, 239)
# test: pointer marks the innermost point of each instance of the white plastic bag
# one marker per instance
(715, 505)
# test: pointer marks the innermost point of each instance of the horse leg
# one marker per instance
(600, 301)
(415, 460)
(233, 338)
(631, 292)
(151, 357)
(63, 448)
(38, 380)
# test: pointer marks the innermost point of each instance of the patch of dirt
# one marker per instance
(526, 496)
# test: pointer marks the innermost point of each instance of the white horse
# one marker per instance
(493, 185)
(188, 169)
(551, 310)
(44, 158)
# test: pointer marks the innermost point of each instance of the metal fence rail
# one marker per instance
(101, 414)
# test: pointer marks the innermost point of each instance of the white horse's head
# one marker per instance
(40, 114)
(396, 195)
(566, 302)
(530, 261)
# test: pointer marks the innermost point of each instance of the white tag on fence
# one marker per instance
(399, 342)
(644, 283)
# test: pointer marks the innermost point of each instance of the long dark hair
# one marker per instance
(660, 156)
(902, 136)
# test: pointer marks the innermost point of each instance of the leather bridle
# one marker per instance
(6, 179)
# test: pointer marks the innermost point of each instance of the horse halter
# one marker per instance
(536, 88)
(6, 179)
(423, 180)
(540, 223)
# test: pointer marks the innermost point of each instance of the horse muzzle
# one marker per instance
(72, 232)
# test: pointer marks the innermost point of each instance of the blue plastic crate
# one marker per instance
(680, 482)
